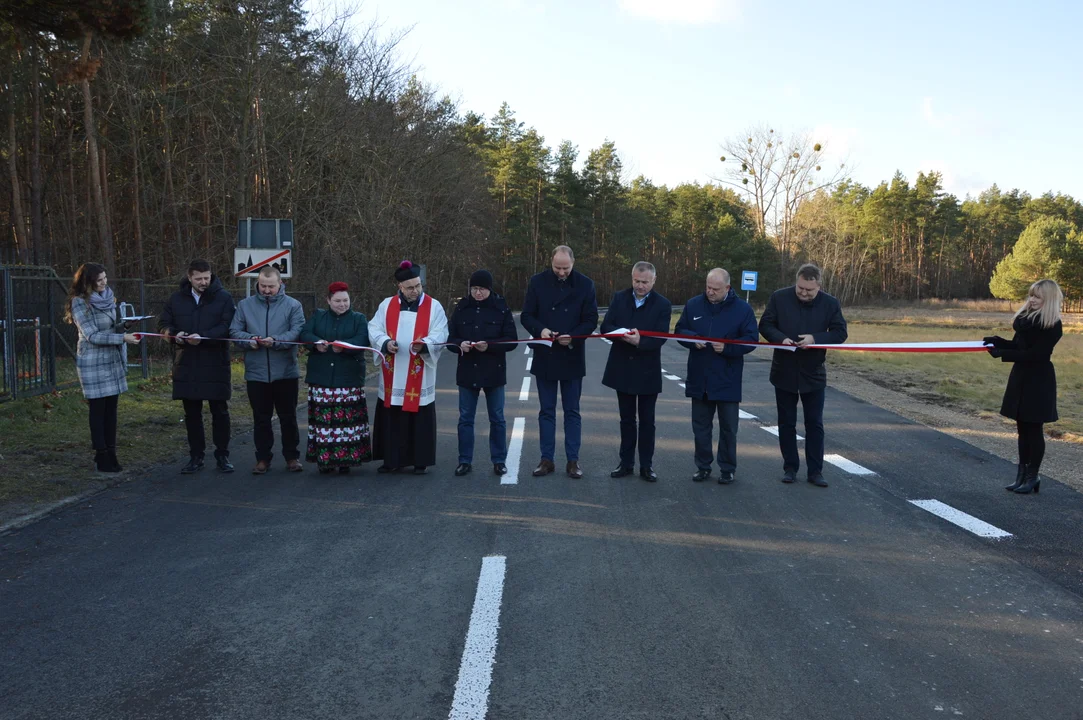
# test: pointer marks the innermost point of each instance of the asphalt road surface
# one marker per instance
(376, 596)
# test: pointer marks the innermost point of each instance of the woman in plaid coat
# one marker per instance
(101, 359)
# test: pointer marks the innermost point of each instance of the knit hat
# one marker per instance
(407, 271)
(482, 278)
(337, 287)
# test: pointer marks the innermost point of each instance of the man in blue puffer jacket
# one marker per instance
(715, 370)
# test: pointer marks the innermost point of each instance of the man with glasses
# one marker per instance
(802, 315)
(408, 328)
(480, 326)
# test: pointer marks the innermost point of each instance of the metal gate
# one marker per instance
(37, 346)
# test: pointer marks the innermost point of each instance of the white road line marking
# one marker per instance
(960, 518)
(681, 384)
(471, 699)
(607, 341)
(671, 377)
(773, 429)
(745, 416)
(848, 465)
(515, 453)
(529, 361)
(524, 393)
(526, 350)
(665, 372)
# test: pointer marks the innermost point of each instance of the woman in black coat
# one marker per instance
(1031, 396)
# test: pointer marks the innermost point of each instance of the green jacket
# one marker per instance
(332, 369)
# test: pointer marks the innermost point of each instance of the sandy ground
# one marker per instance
(996, 435)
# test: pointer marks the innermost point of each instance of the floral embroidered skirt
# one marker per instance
(338, 427)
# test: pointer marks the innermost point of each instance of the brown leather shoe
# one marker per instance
(574, 471)
(294, 465)
(544, 468)
(261, 467)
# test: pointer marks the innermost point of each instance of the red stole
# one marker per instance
(411, 399)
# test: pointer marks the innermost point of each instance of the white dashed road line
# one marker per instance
(529, 362)
(746, 416)
(471, 700)
(773, 429)
(848, 465)
(681, 384)
(524, 393)
(526, 349)
(671, 377)
(960, 518)
(515, 453)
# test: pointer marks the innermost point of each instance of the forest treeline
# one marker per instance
(138, 134)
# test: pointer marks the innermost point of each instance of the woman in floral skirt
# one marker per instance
(338, 418)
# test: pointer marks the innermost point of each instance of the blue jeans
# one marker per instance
(570, 390)
(813, 405)
(468, 406)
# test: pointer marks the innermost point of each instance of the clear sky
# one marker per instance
(983, 92)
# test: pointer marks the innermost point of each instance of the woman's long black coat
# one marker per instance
(1031, 395)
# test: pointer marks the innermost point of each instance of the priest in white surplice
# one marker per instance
(407, 328)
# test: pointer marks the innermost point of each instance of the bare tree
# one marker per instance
(777, 173)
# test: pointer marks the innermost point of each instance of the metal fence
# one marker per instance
(37, 345)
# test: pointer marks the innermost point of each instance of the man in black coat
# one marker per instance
(802, 315)
(197, 317)
(560, 302)
(478, 325)
(634, 367)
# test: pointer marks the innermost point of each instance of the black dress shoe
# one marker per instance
(817, 480)
(463, 469)
(726, 478)
(419, 469)
(620, 471)
(386, 469)
(194, 465)
(500, 469)
(544, 468)
(223, 464)
(701, 475)
(648, 474)
(573, 469)
(789, 476)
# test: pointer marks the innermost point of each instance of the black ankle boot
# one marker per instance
(113, 460)
(1031, 481)
(102, 461)
(1018, 478)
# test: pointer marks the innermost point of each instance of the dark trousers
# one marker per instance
(498, 428)
(266, 399)
(812, 403)
(570, 390)
(193, 423)
(630, 433)
(103, 423)
(1031, 443)
(703, 412)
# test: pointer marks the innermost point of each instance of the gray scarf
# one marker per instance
(104, 301)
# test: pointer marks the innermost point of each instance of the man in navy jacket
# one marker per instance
(715, 370)
(560, 302)
(634, 368)
(802, 315)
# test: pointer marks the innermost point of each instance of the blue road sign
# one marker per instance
(748, 279)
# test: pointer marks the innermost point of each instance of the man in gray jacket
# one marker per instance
(269, 319)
